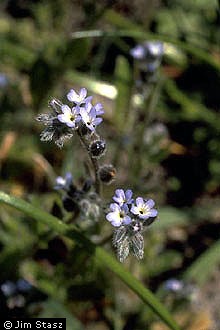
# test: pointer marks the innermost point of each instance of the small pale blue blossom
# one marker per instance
(147, 50)
(23, 285)
(118, 215)
(79, 98)
(3, 80)
(70, 117)
(155, 48)
(144, 208)
(89, 117)
(99, 109)
(8, 288)
(138, 52)
(121, 197)
(64, 183)
(64, 119)
(130, 219)
(174, 285)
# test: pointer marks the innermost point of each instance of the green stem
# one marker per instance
(100, 254)
(139, 127)
(95, 165)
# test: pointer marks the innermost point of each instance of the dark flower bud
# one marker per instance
(87, 185)
(107, 173)
(70, 205)
(97, 148)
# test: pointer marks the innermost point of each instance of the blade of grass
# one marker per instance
(139, 34)
(123, 84)
(100, 254)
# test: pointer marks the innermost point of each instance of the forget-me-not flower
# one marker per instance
(70, 117)
(99, 109)
(138, 52)
(79, 98)
(173, 284)
(118, 215)
(155, 48)
(144, 208)
(64, 183)
(90, 118)
(121, 197)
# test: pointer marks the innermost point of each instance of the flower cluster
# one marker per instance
(83, 202)
(16, 293)
(130, 216)
(148, 57)
(64, 119)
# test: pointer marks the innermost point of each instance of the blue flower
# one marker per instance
(79, 98)
(173, 285)
(144, 208)
(147, 50)
(121, 197)
(138, 52)
(70, 117)
(99, 109)
(64, 183)
(8, 288)
(23, 285)
(155, 48)
(118, 215)
(3, 80)
(89, 116)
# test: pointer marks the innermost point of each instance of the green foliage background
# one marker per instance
(48, 47)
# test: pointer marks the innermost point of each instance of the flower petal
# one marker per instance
(128, 194)
(83, 93)
(150, 203)
(88, 106)
(134, 209)
(114, 207)
(97, 121)
(72, 96)
(62, 118)
(110, 216)
(88, 99)
(116, 223)
(139, 201)
(65, 109)
(127, 220)
(92, 113)
(153, 213)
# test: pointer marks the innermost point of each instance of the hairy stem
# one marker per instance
(94, 162)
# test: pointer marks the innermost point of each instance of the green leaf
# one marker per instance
(103, 257)
(123, 82)
(170, 216)
(142, 35)
(42, 78)
(53, 308)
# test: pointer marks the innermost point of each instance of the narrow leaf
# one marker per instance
(100, 254)
(123, 83)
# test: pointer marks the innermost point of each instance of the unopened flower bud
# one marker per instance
(97, 148)
(87, 185)
(70, 205)
(107, 173)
